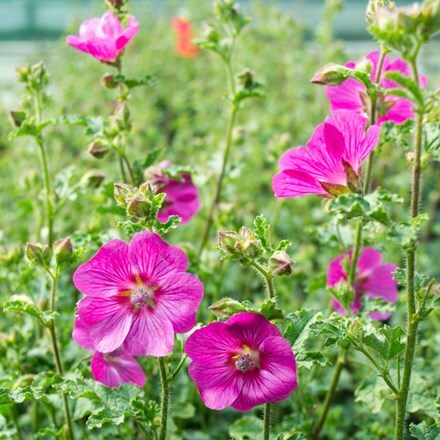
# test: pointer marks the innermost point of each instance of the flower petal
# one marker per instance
(127, 35)
(368, 260)
(153, 258)
(381, 283)
(150, 335)
(108, 321)
(114, 370)
(218, 386)
(346, 96)
(178, 298)
(290, 183)
(251, 328)
(106, 273)
(81, 335)
(336, 271)
(110, 28)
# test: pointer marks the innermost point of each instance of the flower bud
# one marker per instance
(138, 206)
(281, 263)
(227, 307)
(97, 149)
(17, 118)
(108, 81)
(40, 254)
(122, 191)
(330, 75)
(92, 179)
(248, 245)
(227, 241)
(63, 251)
(373, 6)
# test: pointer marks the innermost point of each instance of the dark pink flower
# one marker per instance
(243, 362)
(331, 162)
(373, 278)
(104, 38)
(351, 94)
(182, 196)
(184, 47)
(111, 369)
(137, 296)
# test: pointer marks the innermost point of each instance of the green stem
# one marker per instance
(413, 317)
(164, 399)
(268, 278)
(219, 185)
(267, 420)
(56, 351)
(179, 367)
(331, 391)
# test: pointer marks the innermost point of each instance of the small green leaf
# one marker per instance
(24, 304)
(424, 432)
(270, 310)
(248, 427)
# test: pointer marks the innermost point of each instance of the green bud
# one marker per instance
(97, 149)
(330, 75)
(139, 206)
(229, 12)
(281, 263)
(39, 254)
(108, 81)
(373, 6)
(92, 179)
(17, 118)
(227, 307)
(249, 246)
(122, 192)
(227, 241)
(63, 251)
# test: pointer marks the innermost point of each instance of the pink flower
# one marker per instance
(184, 47)
(351, 94)
(104, 38)
(243, 362)
(331, 162)
(111, 369)
(373, 278)
(182, 196)
(137, 296)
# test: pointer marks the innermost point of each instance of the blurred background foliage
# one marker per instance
(184, 115)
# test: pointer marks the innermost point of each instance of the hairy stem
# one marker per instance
(56, 351)
(267, 277)
(164, 399)
(267, 420)
(413, 317)
(331, 391)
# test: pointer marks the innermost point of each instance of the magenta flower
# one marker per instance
(243, 362)
(137, 296)
(331, 162)
(373, 278)
(104, 38)
(111, 369)
(351, 94)
(182, 196)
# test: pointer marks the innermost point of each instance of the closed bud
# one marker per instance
(97, 149)
(122, 192)
(330, 75)
(108, 81)
(227, 307)
(245, 79)
(364, 65)
(138, 206)
(17, 118)
(281, 263)
(92, 179)
(63, 251)
(373, 6)
(227, 241)
(39, 254)
(248, 245)
(117, 4)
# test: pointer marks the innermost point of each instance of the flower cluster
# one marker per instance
(137, 296)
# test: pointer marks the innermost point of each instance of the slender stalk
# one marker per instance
(49, 208)
(267, 420)
(56, 351)
(164, 399)
(179, 367)
(219, 185)
(331, 391)
(413, 317)
(268, 278)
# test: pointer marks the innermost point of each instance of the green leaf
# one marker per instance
(387, 341)
(372, 393)
(424, 432)
(23, 304)
(270, 310)
(409, 84)
(262, 232)
(247, 427)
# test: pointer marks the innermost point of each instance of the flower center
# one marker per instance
(142, 297)
(244, 362)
